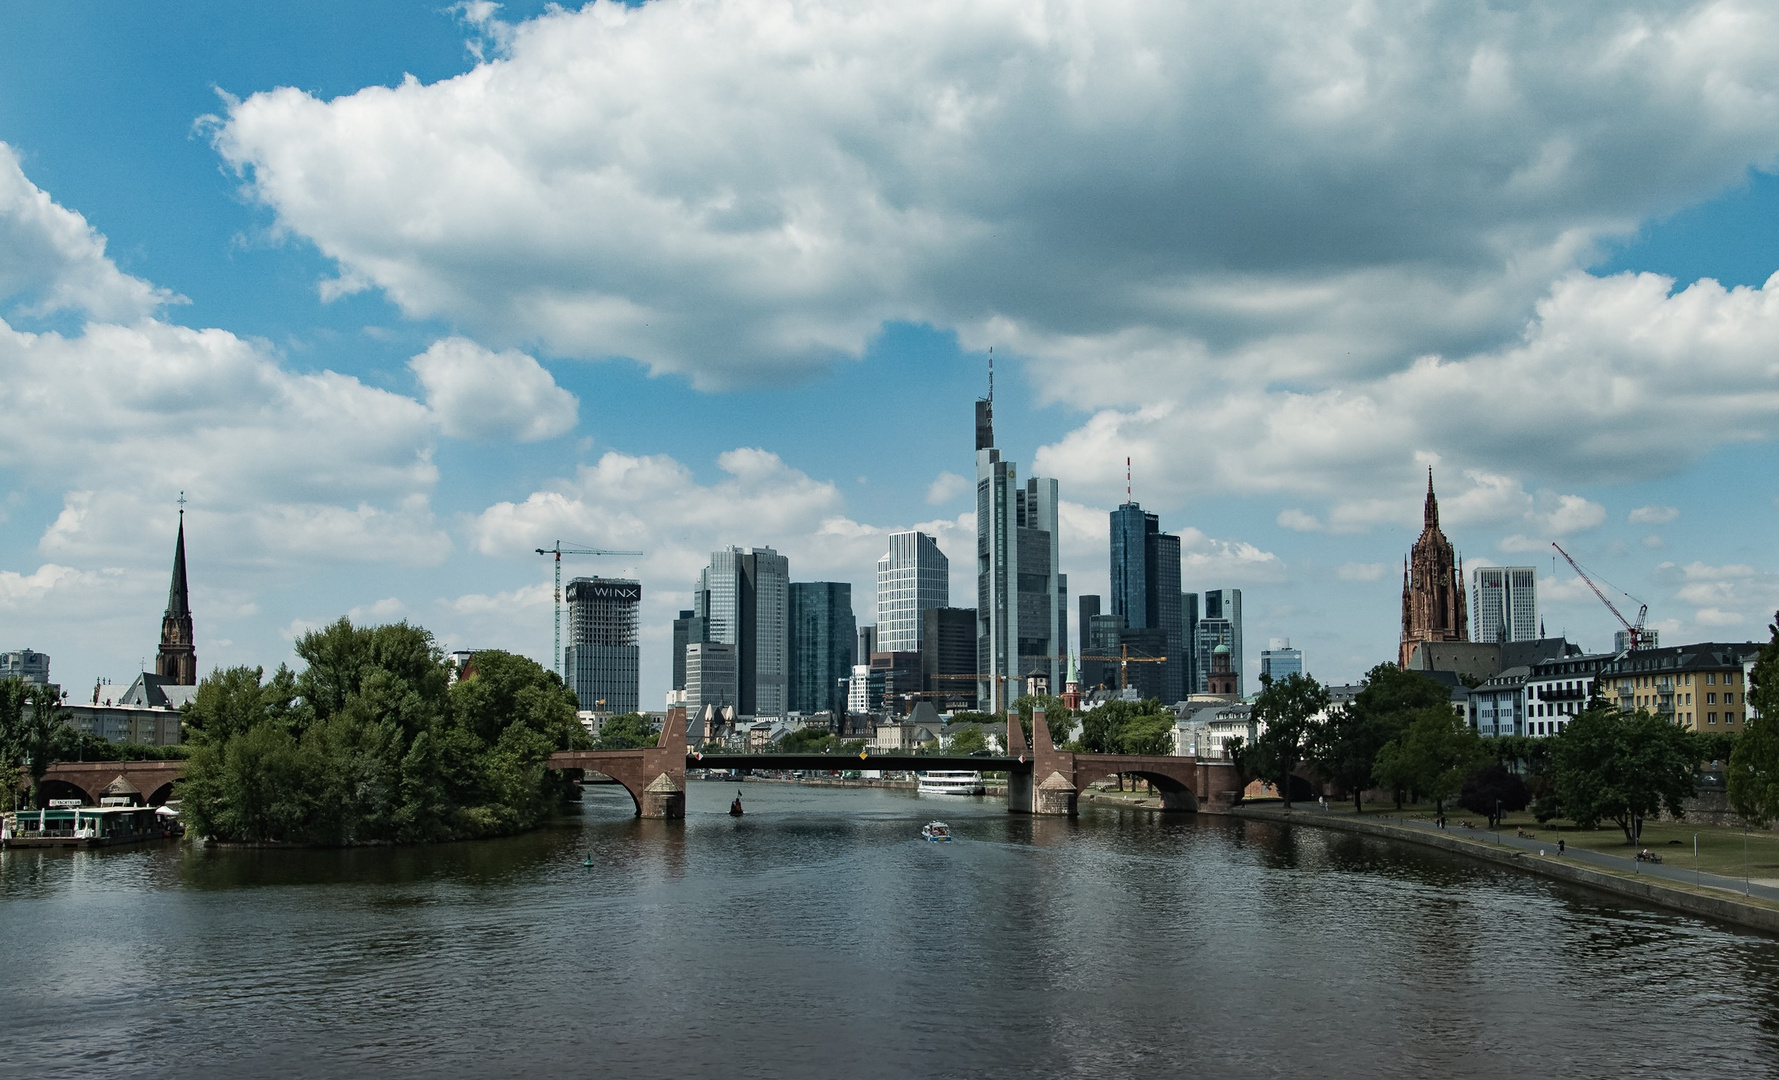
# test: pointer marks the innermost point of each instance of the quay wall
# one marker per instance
(1707, 902)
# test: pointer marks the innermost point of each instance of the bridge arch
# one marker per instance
(1176, 792)
(56, 788)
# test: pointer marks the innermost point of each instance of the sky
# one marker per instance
(396, 293)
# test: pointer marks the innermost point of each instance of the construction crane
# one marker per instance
(1124, 660)
(558, 551)
(1635, 631)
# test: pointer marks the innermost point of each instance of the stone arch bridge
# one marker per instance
(89, 781)
(1040, 778)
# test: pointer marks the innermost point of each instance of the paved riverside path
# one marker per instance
(1616, 863)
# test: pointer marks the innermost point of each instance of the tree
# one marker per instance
(1287, 709)
(1344, 747)
(967, 739)
(1622, 767)
(30, 720)
(1057, 717)
(627, 731)
(1754, 764)
(1433, 756)
(1494, 790)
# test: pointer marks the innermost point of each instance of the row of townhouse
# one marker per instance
(1702, 687)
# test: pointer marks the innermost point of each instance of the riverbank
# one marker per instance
(1707, 895)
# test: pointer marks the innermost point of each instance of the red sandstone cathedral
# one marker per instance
(1432, 587)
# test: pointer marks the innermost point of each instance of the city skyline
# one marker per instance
(362, 433)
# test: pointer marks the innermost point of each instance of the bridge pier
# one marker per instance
(663, 798)
(1056, 796)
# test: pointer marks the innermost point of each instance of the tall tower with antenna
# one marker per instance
(1022, 620)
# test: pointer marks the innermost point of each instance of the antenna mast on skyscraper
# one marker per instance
(991, 377)
(1126, 479)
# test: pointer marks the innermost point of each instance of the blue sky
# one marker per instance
(721, 271)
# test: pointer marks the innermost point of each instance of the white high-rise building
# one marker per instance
(1022, 619)
(1504, 603)
(1279, 659)
(744, 600)
(914, 576)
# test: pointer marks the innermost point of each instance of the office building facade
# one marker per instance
(1221, 624)
(710, 676)
(912, 577)
(1504, 603)
(602, 659)
(1145, 580)
(1193, 677)
(948, 657)
(1279, 660)
(824, 634)
(743, 598)
(26, 665)
(1022, 618)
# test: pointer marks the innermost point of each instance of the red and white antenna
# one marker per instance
(1126, 479)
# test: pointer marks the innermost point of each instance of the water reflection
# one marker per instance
(818, 934)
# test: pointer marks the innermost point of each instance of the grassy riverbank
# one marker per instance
(1722, 850)
(1717, 900)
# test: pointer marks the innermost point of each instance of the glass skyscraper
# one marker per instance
(1279, 659)
(1221, 624)
(1022, 617)
(743, 599)
(911, 578)
(1145, 578)
(824, 634)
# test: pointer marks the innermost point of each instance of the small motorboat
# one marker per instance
(735, 807)
(936, 831)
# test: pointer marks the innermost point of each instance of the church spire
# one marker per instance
(177, 661)
(1430, 512)
(178, 602)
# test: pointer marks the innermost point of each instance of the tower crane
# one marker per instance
(558, 551)
(1124, 659)
(1635, 630)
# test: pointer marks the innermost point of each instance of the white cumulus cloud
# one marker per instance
(480, 394)
(1653, 515)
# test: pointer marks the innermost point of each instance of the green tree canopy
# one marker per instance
(1754, 763)
(1494, 790)
(1057, 717)
(1433, 756)
(1287, 709)
(966, 739)
(1621, 767)
(29, 720)
(371, 742)
(1103, 730)
(627, 731)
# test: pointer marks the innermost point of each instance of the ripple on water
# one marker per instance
(817, 935)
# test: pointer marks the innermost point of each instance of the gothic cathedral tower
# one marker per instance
(1433, 607)
(177, 662)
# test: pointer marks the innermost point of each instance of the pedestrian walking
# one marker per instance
(1560, 846)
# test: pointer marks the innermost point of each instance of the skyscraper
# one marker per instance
(177, 660)
(1145, 577)
(744, 600)
(1221, 624)
(1192, 679)
(823, 636)
(602, 658)
(948, 650)
(686, 629)
(1279, 659)
(1505, 599)
(1022, 618)
(911, 578)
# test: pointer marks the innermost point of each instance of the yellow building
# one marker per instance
(1701, 687)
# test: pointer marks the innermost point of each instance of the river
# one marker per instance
(819, 936)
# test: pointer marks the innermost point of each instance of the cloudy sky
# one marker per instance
(397, 293)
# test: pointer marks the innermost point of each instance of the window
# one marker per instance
(1710, 678)
(1710, 718)
(1729, 699)
(1710, 699)
(1729, 717)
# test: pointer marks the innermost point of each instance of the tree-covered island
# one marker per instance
(373, 743)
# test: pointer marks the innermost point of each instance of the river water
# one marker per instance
(819, 936)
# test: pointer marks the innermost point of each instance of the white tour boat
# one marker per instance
(951, 782)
